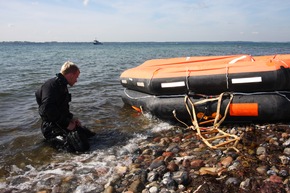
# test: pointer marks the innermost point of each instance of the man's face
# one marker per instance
(73, 78)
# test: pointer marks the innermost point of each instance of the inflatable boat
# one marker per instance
(209, 75)
(241, 88)
(244, 107)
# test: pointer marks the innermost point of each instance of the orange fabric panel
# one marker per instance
(244, 109)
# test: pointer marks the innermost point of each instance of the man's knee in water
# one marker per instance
(72, 141)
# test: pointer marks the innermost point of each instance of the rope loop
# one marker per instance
(208, 135)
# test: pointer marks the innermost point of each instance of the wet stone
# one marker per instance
(152, 176)
(271, 172)
(245, 185)
(262, 157)
(227, 161)
(284, 159)
(137, 186)
(284, 135)
(166, 178)
(85, 171)
(232, 181)
(109, 189)
(171, 184)
(173, 148)
(262, 169)
(283, 173)
(153, 189)
(181, 177)
(168, 154)
(185, 163)
(172, 166)
(156, 163)
(147, 152)
(234, 166)
(287, 151)
(275, 179)
(21, 179)
(286, 143)
(261, 151)
(197, 163)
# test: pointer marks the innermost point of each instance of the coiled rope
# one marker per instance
(210, 134)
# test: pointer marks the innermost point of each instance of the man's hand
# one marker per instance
(73, 124)
(78, 123)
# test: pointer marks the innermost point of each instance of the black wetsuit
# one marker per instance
(53, 99)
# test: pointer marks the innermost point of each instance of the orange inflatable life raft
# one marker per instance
(209, 75)
(244, 107)
(259, 87)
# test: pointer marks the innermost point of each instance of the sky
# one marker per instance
(145, 20)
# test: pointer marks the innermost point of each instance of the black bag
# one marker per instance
(78, 141)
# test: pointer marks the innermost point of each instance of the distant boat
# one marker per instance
(96, 42)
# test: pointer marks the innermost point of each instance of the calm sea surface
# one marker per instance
(95, 100)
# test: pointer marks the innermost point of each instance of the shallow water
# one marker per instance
(95, 100)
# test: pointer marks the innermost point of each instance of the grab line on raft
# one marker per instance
(211, 133)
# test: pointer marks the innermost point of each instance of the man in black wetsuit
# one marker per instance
(59, 126)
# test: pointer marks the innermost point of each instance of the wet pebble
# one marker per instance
(137, 186)
(245, 184)
(261, 151)
(283, 173)
(153, 189)
(152, 176)
(172, 167)
(197, 163)
(286, 143)
(234, 166)
(174, 148)
(287, 151)
(232, 181)
(226, 161)
(284, 159)
(276, 179)
(156, 163)
(262, 169)
(271, 172)
(284, 135)
(109, 189)
(181, 177)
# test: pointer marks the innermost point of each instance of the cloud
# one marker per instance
(150, 20)
(255, 33)
(85, 2)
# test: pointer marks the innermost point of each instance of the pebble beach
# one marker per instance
(172, 160)
(177, 161)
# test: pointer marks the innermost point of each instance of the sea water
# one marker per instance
(26, 161)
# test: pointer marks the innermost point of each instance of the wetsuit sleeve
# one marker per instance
(50, 106)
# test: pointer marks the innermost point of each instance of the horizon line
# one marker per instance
(217, 41)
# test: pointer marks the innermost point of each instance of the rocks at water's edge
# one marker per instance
(177, 161)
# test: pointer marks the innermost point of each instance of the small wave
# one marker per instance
(83, 172)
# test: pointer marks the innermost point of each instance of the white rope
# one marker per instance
(219, 134)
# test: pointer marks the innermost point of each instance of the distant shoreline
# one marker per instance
(170, 42)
